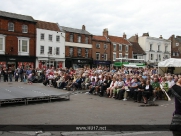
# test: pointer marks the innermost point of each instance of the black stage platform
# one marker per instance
(24, 93)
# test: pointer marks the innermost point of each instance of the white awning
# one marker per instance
(59, 59)
(134, 66)
(42, 58)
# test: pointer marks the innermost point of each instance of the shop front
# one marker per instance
(97, 63)
(78, 63)
(44, 63)
(17, 61)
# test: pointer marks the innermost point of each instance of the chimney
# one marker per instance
(105, 32)
(145, 34)
(136, 38)
(161, 37)
(124, 35)
(83, 27)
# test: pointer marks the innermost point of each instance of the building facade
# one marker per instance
(50, 45)
(101, 51)
(17, 40)
(120, 46)
(175, 46)
(78, 47)
(156, 49)
(138, 52)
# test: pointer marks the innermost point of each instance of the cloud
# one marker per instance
(131, 16)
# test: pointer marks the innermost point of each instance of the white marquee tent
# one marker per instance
(171, 63)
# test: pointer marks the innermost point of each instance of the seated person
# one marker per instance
(147, 92)
(118, 87)
(111, 87)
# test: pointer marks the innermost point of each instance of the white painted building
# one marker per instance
(156, 49)
(50, 45)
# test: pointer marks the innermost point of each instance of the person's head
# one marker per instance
(155, 79)
(163, 79)
(147, 82)
(93, 79)
(179, 81)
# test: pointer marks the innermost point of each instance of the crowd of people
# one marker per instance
(140, 84)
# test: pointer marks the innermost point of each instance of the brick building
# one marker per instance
(175, 46)
(78, 47)
(101, 51)
(120, 46)
(17, 40)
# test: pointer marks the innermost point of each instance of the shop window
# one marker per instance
(79, 52)
(86, 53)
(97, 56)
(10, 26)
(24, 28)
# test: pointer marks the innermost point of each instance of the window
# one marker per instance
(114, 56)
(158, 47)
(159, 57)
(151, 56)
(120, 55)
(86, 39)
(120, 47)
(1, 44)
(79, 52)
(86, 53)
(71, 37)
(97, 45)
(177, 44)
(177, 54)
(79, 39)
(114, 47)
(71, 51)
(105, 57)
(42, 49)
(173, 53)
(50, 51)
(58, 38)
(166, 56)
(10, 26)
(24, 28)
(126, 48)
(50, 37)
(23, 46)
(105, 46)
(150, 47)
(126, 56)
(42, 36)
(97, 56)
(57, 51)
(166, 48)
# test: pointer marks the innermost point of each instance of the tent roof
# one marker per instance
(170, 63)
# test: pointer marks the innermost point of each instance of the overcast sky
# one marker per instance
(158, 17)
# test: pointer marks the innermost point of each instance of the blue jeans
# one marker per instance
(10, 77)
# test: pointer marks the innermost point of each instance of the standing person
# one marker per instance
(176, 119)
(16, 75)
(21, 74)
(10, 72)
(1, 72)
(5, 74)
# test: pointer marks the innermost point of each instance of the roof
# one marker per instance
(137, 48)
(74, 30)
(120, 40)
(100, 38)
(16, 16)
(47, 25)
(172, 62)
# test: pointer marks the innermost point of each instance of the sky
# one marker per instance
(157, 17)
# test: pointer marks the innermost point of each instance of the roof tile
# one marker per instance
(137, 48)
(99, 38)
(47, 25)
(120, 40)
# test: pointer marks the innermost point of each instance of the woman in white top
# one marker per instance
(111, 88)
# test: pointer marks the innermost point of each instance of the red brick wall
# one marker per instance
(11, 37)
(101, 50)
